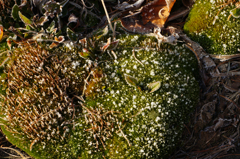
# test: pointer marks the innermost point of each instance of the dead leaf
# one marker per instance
(104, 48)
(58, 40)
(9, 43)
(219, 124)
(83, 42)
(157, 12)
(53, 45)
(1, 32)
(23, 3)
(72, 19)
(135, 25)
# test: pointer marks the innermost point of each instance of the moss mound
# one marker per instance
(135, 101)
(213, 27)
(151, 122)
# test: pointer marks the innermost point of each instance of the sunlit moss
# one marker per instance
(152, 122)
(140, 124)
(212, 27)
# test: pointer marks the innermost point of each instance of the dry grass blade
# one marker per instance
(4, 61)
(225, 57)
(18, 152)
(109, 21)
(229, 100)
(124, 135)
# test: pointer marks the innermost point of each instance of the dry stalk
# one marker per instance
(124, 135)
(109, 21)
(18, 152)
(136, 58)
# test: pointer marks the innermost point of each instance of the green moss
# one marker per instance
(115, 114)
(214, 31)
(152, 121)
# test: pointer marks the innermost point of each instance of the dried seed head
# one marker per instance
(40, 90)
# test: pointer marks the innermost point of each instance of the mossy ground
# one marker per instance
(215, 32)
(152, 122)
(172, 65)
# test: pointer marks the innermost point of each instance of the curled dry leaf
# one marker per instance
(104, 48)
(151, 16)
(157, 12)
(109, 45)
(53, 45)
(135, 25)
(59, 39)
(23, 3)
(72, 19)
(1, 32)
(83, 42)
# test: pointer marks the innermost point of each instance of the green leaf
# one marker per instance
(71, 35)
(51, 8)
(24, 19)
(235, 12)
(102, 32)
(131, 80)
(28, 27)
(42, 20)
(15, 10)
(84, 54)
(154, 86)
(51, 27)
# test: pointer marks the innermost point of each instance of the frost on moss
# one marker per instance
(142, 118)
(150, 122)
(212, 27)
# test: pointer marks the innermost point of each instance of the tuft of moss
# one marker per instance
(211, 26)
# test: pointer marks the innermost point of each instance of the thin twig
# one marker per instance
(80, 7)
(106, 12)
(229, 100)
(124, 135)
(18, 152)
(136, 58)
